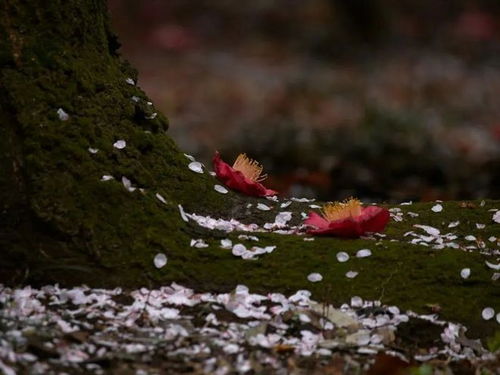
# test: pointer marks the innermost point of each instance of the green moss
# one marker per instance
(73, 228)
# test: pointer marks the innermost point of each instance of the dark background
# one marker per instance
(385, 100)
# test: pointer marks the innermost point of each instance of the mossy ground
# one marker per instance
(73, 228)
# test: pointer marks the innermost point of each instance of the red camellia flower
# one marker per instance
(347, 219)
(244, 176)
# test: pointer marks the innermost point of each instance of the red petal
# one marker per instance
(316, 220)
(372, 219)
(235, 180)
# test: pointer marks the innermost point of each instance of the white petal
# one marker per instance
(220, 189)
(160, 260)
(120, 144)
(286, 204)
(342, 256)
(160, 198)
(495, 267)
(226, 243)
(93, 150)
(356, 301)
(183, 214)
(351, 274)
(263, 207)
(465, 273)
(190, 157)
(496, 217)
(363, 253)
(63, 116)
(130, 81)
(196, 166)
(314, 277)
(437, 208)
(488, 313)
(453, 224)
(107, 177)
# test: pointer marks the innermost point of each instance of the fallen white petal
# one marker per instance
(488, 313)
(470, 238)
(465, 273)
(480, 226)
(130, 81)
(63, 116)
(351, 274)
(220, 189)
(363, 253)
(93, 150)
(160, 198)
(314, 277)
(263, 207)
(453, 224)
(183, 214)
(496, 217)
(437, 208)
(342, 256)
(160, 260)
(120, 144)
(107, 177)
(196, 166)
(226, 243)
(495, 267)
(356, 301)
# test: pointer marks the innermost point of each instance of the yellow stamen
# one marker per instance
(341, 210)
(250, 168)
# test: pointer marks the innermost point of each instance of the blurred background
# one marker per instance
(381, 99)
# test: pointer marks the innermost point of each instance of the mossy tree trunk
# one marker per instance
(58, 221)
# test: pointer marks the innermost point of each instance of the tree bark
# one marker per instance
(64, 90)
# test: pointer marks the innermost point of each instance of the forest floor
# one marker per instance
(422, 298)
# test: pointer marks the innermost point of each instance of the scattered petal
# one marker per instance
(93, 150)
(160, 198)
(314, 277)
(351, 274)
(183, 214)
(107, 177)
(130, 81)
(495, 267)
(453, 224)
(356, 301)
(196, 166)
(480, 226)
(226, 243)
(285, 204)
(63, 116)
(128, 184)
(363, 253)
(488, 313)
(160, 260)
(470, 238)
(342, 256)
(190, 157)
(437, 208)
(120, 144)
(220, 189)
(465, 273)
(263, 207)
(496, 217)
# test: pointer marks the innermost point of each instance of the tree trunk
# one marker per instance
(64, 90)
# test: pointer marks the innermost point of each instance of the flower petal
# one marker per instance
(316, 220)
(235, 180)
(373, 219)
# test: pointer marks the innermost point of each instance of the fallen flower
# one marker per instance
(348, 219)
(244, 176)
